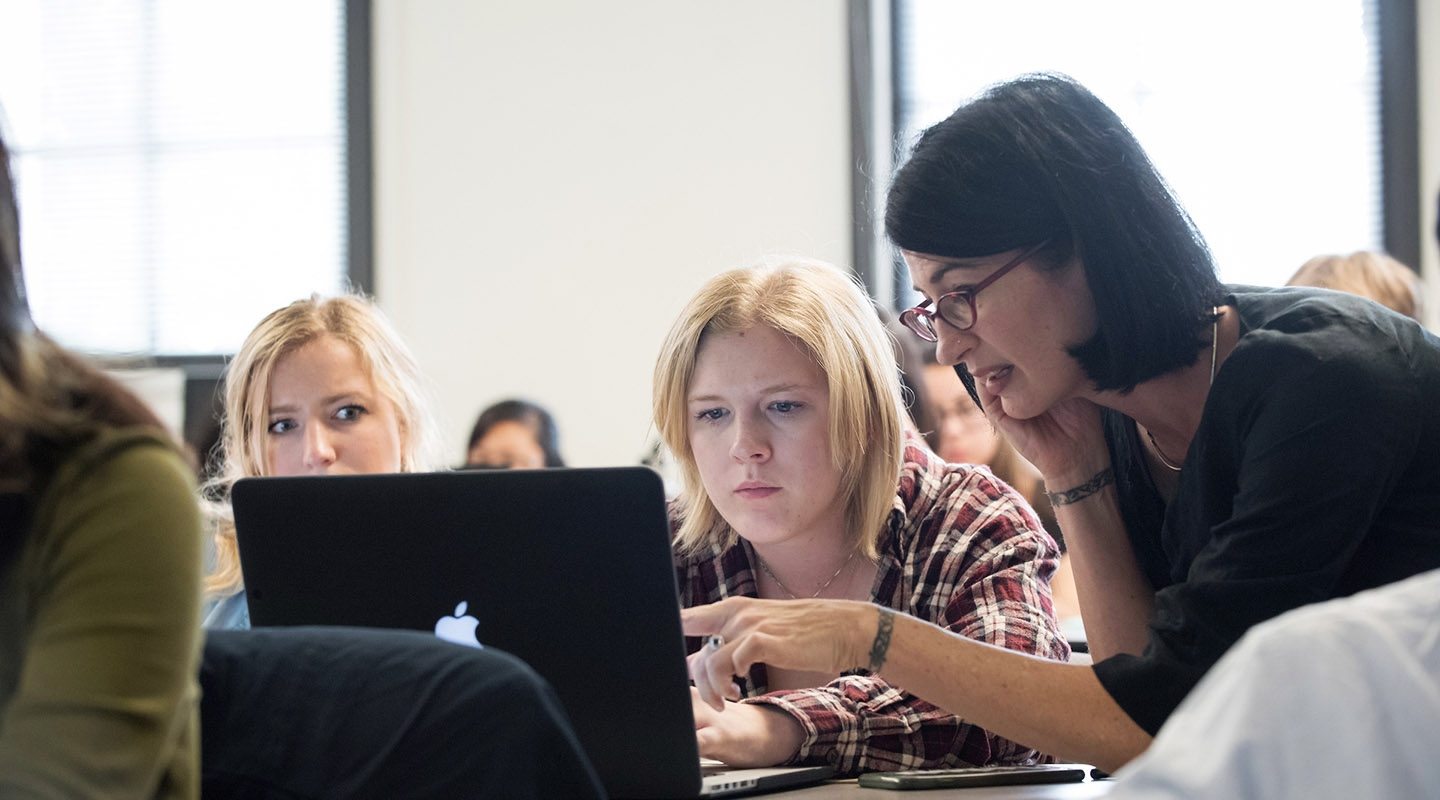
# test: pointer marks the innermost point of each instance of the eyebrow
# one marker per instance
(779, 387)
(947, 267)
(288, 408)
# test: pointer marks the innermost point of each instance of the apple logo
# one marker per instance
(459, 628)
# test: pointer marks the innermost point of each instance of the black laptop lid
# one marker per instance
(569, 569)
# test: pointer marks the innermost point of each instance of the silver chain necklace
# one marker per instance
(786, 589)
(1214, 347)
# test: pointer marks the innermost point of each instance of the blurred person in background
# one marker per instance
(1367, 274)
(514, 434)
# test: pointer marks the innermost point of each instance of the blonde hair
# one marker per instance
(350, 318)
(1365, 273)
(824, 309)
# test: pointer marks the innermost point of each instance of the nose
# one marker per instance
(319, 449)
(750, 442)
(951, 344)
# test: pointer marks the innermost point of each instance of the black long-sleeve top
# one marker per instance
(1314, 473)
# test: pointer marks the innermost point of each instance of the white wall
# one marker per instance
(555, 178)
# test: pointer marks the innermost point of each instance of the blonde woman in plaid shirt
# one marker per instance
(777, 392)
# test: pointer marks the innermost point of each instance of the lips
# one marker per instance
(754, 490)
(993, 377)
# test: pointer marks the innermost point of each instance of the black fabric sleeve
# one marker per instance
(1307, 435)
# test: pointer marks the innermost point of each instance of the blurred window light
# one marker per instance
(180, 165)
(1263, 115)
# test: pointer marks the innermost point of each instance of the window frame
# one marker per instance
(875, 111)
(204, 374)
(1400, 129)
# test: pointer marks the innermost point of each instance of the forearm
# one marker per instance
(863, 723)
(1059, 709)
(1116, 599)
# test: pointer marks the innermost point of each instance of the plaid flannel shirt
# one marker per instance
(961, 549)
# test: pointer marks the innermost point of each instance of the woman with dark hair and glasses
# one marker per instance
(1216, 455)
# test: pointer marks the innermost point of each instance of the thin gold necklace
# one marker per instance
(1214, 348)
(786, 589)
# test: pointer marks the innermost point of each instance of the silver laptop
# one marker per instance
(568, 569)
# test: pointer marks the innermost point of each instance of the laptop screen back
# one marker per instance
(569, 569)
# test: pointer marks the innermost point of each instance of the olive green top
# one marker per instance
(99, 628)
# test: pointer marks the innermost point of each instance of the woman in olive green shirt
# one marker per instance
(99, 573)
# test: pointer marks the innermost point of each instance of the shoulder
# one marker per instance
(1313, 345)
(229, 613)
(709, 571)
(939, 504)
(697, 556)
(1303, 326)
(712, 573)
(135, 453)
(705, 556)
(117, 478)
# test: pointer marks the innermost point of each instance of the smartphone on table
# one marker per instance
(975, 776)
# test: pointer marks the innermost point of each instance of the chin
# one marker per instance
(758, 530)
(1017, 408)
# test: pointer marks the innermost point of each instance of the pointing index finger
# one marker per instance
(702, 620)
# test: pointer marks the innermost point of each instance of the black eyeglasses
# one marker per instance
(957, 308)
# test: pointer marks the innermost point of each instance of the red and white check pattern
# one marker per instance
(962, 550)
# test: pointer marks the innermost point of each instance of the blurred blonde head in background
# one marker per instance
(1367, 274)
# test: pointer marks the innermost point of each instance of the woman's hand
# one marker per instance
(829, 636)
(1066, 443)
(745, 735)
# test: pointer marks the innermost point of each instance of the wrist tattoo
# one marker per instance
(1103, 478)
(881, 646)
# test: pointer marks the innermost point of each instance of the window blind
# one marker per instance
(180, 165)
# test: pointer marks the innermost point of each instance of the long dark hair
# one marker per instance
(1041, 158)
(14, 310)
